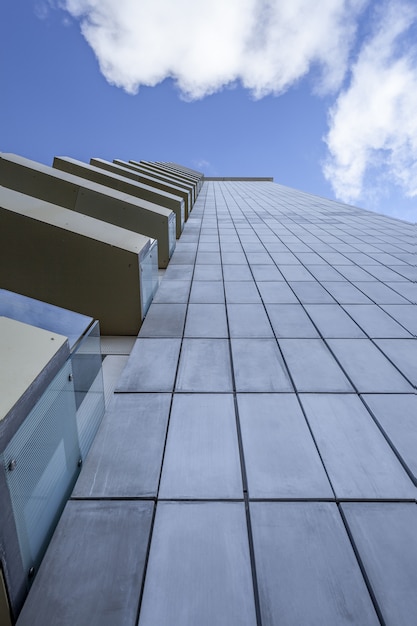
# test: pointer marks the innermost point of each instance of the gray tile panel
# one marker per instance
(276, 293)
(408, 271)
(258, 366)
(202, 455)
(191, 234)
(208, 258)
(317, 246)
(236, 272)
(403, 353)
(291, 321)
(361, 259)
(233, 258)
(240, 292)
(258, 258)
(312, 366)
(186, 246)
(306, 568)
(389, 259)
(385, 536)
(277, 246)
(381, 272)
(311, 292)
(345, 292)
(207, 236)
(369, 370)
(333, 321)
(164, 320)
(404, 314)
(209, 247)
(199, 568)
(325, 272)
(353, 272)
(226, 246)
(210, 291)
(92, 572)
(285, 258)
(396, 415)
(266, 272)
(359, 461)
(310, 258)
(179, 272)
(400, 257)
(183, 258)
(380, 293)
(248, 320)
(296, 273)
(228, 237)
(152, 366)
(335, 258)
(375, 321)
(206, 320)
(406, 289)
(255, 248)
(208, 272)
(204, 366)
(281, 458)
(172, 291)
(126, 457)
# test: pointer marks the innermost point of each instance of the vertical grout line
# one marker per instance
(156, 500)
(145, 565)
(388, 440)
(243, 472)
(361, 566)
(179, 353)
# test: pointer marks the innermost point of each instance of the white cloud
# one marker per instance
(266, 44)
(372, 138)
(269, 45)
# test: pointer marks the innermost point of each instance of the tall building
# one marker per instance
(257, 462)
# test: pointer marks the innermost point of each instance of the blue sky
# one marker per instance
(321, 96)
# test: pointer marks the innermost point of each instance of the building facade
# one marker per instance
(257, 462)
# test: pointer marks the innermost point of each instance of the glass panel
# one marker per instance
(41, 463)
(149, 275)
(88, 387)
(86, 363)
(172, 233)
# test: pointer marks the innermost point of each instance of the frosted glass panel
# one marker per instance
(172, 224)
(41, 462)
(88, 387)
(149, 275)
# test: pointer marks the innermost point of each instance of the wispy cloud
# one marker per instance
(201, 163)
(266, 44)
(372, 138)
(42, 8)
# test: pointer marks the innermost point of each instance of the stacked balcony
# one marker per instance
(82, 250)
